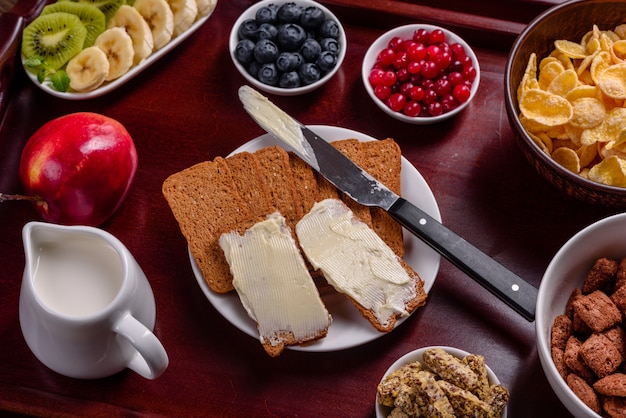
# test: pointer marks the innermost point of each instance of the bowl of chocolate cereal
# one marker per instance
(579, 320)
(564, 93)
(452, 381)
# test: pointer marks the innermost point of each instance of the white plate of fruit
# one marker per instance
(81, 49)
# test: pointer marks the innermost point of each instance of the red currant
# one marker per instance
(414, 67)
(376, 76)
(389, 78)
(435, 109)
(395, 43)
(442, 86)
(387, 56)
(457, 51)
(456, 78)
(443, 60)
(430, 69)
(469, 73)
(436, 36)
(421, 36)
(416, 52)
(416, 93)
(396, 102)
(382, 92)
(412, 108)
(401, 60)
(461, 93)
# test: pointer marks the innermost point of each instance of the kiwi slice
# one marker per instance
(55, 37)
(91, 16)
(108, 7)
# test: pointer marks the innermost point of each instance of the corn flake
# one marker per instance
(545, 108)
(610, 171)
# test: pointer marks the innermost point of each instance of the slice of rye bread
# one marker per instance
(382, 159)
(418, 301)
(352, 149)
(205, 203)
(277, 171)
(305, 181)
(247, 174)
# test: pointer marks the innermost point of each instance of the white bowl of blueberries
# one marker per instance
(287, 48)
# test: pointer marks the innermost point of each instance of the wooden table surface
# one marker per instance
(185, 110)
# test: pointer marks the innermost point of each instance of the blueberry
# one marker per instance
(267, 14)
(290, 37)
(329, 29)
(289, 61)
(309, 73)
(247, 29)
(244, 51)
(310, 50)
(312, 17)
(265, 51)
(289, 80)
(330, 44)
(326, 61)
(268, 74)
(267, 31)
(253, 68)
(289, 13)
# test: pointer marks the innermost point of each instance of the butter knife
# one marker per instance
(363, 188)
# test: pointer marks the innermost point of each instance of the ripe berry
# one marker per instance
(382, 92)
(396, 102)
(412, 108)
(436, 36)
(421, 36)
(461, 93)
(387, 56)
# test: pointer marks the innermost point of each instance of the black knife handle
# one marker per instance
(516, 292)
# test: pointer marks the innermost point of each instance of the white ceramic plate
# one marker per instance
(349, 328)
(109, 86)
(417, 355)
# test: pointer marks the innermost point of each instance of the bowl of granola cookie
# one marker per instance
(579, 320)
(440, 381)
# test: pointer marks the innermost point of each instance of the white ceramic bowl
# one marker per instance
(417, 355)
(250, 14)
(567, 271)
(406, 32)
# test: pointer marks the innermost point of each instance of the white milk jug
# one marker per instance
(86, 308)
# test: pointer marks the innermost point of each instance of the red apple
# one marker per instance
(80, 166)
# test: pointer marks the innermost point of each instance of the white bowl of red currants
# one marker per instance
(287, 48)
(421, 74)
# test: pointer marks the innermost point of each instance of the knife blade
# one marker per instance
(366, 190)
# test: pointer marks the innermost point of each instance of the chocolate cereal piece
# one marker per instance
(611, 385)
(569, 306)
(614, 406)
(598, 311)
(574, 360)
(601, 355)
(619, 299)
(617, 337)
(561, 331)
(584, 392)
(558, 357)
(601, 275)
(620, 276)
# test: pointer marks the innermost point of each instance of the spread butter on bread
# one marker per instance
(274, 285)
(359, 264)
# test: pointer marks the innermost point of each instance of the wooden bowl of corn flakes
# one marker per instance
(565, 96)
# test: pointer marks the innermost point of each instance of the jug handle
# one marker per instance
(150, 359)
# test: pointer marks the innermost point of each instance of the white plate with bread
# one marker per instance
(349, 328)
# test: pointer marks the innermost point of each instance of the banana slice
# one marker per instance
(160, 19)
(130, 19)
(88, 69)
(185, 13)
(118, 47)
(205, 6)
